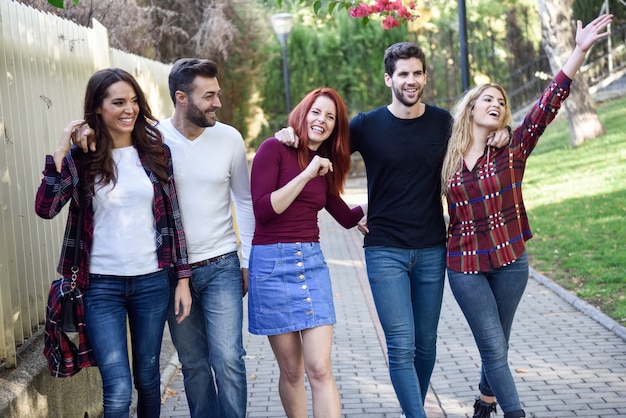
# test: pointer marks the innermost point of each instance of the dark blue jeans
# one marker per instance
(489, 301)
(407, 285)
(109, 300)
(210, 344)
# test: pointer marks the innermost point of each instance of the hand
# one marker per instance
(287, 136)
(64, 143)
(318, 167)
(362, 225)
(585, 37)
(85, 138)
(499, 138)
(68, 132)
(244, 281)
(182, 300)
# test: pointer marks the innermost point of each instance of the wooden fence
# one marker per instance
(46, 62)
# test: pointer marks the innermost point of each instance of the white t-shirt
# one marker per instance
(124, 237)
(209, 171)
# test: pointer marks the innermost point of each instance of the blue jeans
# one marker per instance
(407, 285)
(489, 301)
(209, 341)
(108, 302)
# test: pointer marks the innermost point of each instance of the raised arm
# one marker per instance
(585, 38)
(58, 184)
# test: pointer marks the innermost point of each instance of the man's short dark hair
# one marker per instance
(402, 50)
(184, 72)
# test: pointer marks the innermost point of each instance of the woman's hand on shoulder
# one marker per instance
(500, 138)
(65, 143)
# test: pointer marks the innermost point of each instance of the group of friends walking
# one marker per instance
(158, 242)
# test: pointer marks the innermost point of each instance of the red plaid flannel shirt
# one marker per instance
(488, 222)
(65, 359)
(56, 189)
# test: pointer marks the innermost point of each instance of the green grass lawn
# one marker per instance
(576, 203)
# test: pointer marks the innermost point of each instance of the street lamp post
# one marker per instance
(282, 23)
(463, 44)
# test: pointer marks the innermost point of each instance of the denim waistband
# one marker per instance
(211, 260)
(94, 276)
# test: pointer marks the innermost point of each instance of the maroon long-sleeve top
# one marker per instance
(274, 166)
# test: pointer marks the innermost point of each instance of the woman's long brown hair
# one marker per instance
(146, 137)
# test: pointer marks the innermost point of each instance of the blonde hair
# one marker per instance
(461, 137)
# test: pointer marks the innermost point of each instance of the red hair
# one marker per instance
(336, 147)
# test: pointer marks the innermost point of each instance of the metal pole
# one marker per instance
(463, 45)
(283, 43)
(282, 23)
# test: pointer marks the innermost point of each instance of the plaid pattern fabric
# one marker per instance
(57, 189)
(488, 223)
(64, 358)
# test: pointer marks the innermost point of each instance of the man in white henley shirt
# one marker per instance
(211, 173)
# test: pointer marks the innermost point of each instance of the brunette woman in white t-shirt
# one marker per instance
(131, 236)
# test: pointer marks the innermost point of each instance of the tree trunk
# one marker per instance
(558, 34)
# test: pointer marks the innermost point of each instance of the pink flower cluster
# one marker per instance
(394, 12)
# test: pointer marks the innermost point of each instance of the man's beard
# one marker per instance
(398, 93)
(198, 117)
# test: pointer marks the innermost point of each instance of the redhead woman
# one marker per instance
(290, 298)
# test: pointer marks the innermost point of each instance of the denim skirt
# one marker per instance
(289, 288)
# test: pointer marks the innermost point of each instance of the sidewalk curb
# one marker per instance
(169, 371)
(584, 307)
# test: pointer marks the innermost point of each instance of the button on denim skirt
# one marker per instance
(289, 288)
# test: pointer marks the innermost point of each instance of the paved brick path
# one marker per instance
(566, 363)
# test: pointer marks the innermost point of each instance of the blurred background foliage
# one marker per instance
(335, 51)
